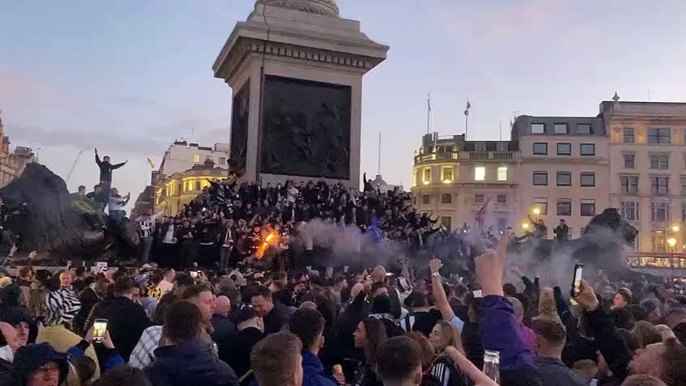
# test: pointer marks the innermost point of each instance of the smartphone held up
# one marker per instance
(576, 282)
(99, 330)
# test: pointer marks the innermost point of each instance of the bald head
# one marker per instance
(222, 306)
(379, 274)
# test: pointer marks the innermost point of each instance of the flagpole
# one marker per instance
(501, 131)
(378, 166)
(428, 113)
(466, 120)
(466, 125)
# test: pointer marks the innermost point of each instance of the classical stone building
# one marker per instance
(177, 189)
(630, 156)
(12, 163)
(295, 68)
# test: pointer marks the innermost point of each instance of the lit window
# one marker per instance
(427, 175)
(196, 158)
(479, 173)
(447, 174)
(502, 173)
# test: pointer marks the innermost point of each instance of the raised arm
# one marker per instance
(440, 299)
(117, 166)
(97, 158)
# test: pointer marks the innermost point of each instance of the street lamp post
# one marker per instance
(672, 243)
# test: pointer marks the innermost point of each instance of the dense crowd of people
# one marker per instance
(334, 327)
(231, 221)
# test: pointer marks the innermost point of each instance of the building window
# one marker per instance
(629, 184)
(659, 136)
(197, 185)
(659, 161)
(502, 146)
(540, 148)
(564, 207)
(683, 186)
(542, 204)
(659, 211)
(659, 245)
(629, 210)
(683, 212)
(541, 178)
(479, 198)
(447, 174)
(502, 173)
(502, 199)
(446, 221)
(427, 176)
(426, 199)
(479, 173)
(629, 135)
(538, 128)
(480, 146)
(583, 128)
(564, 179)
(659, 185)
(561, 128)
(564, 149)
(587, 149)
(222, 160)
(196, 158)
(588, 208)
(446, 198)
(629, 161)
(587, 179)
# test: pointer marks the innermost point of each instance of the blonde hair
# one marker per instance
(451, 335)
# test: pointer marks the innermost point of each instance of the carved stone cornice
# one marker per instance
(247, 46)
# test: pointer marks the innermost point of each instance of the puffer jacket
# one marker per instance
(189, 363)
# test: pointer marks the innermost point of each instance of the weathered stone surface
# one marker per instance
(306, 129)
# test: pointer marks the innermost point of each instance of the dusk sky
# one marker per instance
(130, 76)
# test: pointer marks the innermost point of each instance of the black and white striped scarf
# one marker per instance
(61, 307)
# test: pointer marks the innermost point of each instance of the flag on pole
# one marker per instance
(428, 102)
(152, 164)
(469, 106)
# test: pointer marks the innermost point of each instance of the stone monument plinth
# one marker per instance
(296, 68)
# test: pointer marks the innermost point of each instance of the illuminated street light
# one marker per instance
(426, 182)
(672, 242)
(537, 211)
(675, 228)
(525, 225)
(446, 181)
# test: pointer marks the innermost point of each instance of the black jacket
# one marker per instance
(222, 327)
(276, 319)
(190, 363)
(106, 169)
(88, 299)
(341, 348)
(554, 372)
(235, 350)
(126, 321)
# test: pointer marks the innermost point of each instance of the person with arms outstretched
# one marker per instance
(106, 169)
